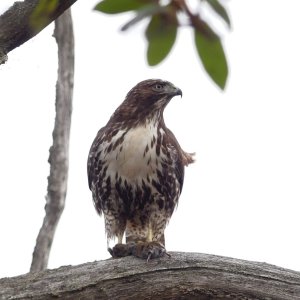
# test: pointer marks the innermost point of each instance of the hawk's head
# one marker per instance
(146, 100)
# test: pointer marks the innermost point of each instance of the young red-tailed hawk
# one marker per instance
(136, 171)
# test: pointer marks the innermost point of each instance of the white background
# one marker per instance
(240, 198)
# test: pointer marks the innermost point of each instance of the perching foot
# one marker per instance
(149, 250)
(121, 250)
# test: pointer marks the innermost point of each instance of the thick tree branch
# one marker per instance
(59, 152)
(16, 26)
(183, 276)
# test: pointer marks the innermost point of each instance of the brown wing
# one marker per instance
(92, 158)
(181, 157)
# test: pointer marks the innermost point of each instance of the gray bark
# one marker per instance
(183, 276)
(59, 152)
(16, 27)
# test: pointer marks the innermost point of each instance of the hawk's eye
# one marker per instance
(158, 87)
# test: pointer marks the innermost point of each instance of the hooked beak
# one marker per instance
(178, 92)
(174, 91)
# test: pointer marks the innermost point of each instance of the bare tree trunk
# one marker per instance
(16, 27)
(59, 151)
(183, 276)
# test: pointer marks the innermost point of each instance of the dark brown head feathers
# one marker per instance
(146, 100)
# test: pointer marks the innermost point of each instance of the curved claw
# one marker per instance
(149, 256)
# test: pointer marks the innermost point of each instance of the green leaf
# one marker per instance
(220, 10)
(143, 13)
(41, 14)
(119, 6)
(161, 35)
(211, 53)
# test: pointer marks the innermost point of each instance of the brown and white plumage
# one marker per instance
(136, 166)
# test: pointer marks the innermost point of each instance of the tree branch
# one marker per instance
(16, 27)
(183, 276)
(59, 152)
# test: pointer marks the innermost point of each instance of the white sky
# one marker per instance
(241, 197)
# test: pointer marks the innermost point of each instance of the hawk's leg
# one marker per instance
(149, 243)
(115, 227)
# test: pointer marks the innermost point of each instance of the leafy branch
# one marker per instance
(161, 31)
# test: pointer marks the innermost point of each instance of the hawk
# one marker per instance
(136, 171)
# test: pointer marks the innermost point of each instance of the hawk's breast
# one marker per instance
(135, 156)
